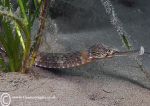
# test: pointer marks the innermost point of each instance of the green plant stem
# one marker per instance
(23, 11)
(17, 37)
(39, 37)
(126, 42)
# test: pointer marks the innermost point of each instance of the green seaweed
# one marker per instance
(126, 42)
(15, 36)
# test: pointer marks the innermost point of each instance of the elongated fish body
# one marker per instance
(75, 59)
(59, 60)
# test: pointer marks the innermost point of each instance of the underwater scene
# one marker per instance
(74, 53)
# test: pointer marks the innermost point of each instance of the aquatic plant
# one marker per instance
(15, 37)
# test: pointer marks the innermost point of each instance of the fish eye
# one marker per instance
(108, 51)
